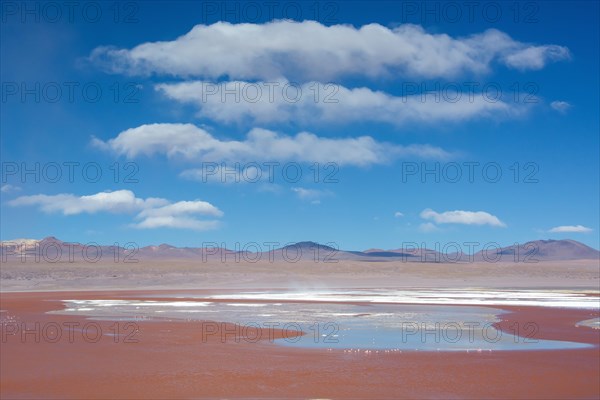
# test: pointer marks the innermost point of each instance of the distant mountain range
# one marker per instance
(51, 249)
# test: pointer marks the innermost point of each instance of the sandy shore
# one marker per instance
(172, 359)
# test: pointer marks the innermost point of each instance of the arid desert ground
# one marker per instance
(183, 329)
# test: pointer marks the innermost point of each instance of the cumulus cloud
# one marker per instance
(398, 214)
(194, 143)
(281, 101)
(182, 208)
(535, 57)
(152, 212)
(120, 201)
(462, 217)
(180, 215)
(570, 229)
(560, 106)
(309, 50)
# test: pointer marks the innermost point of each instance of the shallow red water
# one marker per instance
(171, 360)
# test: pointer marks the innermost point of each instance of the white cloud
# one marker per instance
(312, 195)
(180, 215)
(462, 217)
(314, 103)
(428, 227)
(183, 208)
(9, 188)
(194, 143)
(153, 212)
(309, 50)
(398, 214)
(119, 201)
(535, 57)
(560, 106)
(570, 229)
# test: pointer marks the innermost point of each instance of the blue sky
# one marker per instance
(160, 121)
